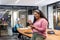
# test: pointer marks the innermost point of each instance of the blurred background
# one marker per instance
(10, 10)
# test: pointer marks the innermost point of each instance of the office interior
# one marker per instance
(10, 13)
(56, 14)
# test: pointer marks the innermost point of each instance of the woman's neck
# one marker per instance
(38, 19)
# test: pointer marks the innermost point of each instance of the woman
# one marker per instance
(39, 26)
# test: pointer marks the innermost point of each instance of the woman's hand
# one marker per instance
(31, 26)
(30, 22)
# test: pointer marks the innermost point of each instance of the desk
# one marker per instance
(24, 30)
(55, 36)
(0, 27)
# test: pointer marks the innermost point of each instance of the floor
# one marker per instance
(15, 37)
(4, 36)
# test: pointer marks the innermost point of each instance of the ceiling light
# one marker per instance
(17, 1)
(39, 1)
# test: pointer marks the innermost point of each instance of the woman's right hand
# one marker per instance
(30, 22)
(32, 26)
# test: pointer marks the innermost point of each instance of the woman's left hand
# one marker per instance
(32, 26)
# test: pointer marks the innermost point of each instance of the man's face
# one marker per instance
(19, 22)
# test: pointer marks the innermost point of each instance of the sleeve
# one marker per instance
(21, 25)
(17, 26)
(43, 26)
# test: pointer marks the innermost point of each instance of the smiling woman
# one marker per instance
(39, 25)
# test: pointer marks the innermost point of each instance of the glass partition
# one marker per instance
(9, 15)
(8, 18)
(21, 14)
(5, 20)
(54, 15)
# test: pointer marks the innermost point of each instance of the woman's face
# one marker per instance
(36, 15)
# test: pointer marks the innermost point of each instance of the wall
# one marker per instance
(50, 17)
(44, 10)
(15, 16)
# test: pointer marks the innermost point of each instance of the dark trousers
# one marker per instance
(19, 36)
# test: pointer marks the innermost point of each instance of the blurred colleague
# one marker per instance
(39, 26)
(18, 25)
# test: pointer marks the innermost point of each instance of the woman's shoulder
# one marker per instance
(43, 19)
